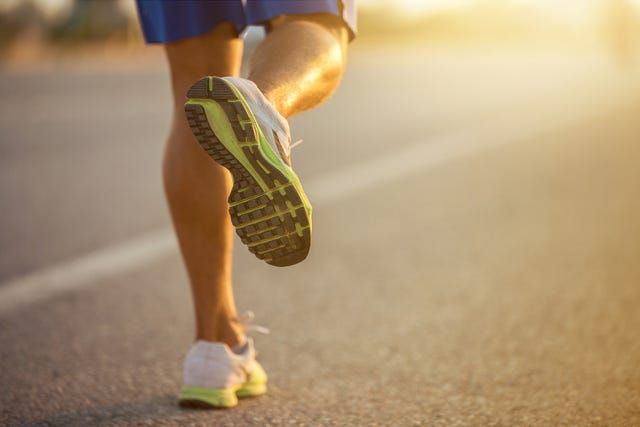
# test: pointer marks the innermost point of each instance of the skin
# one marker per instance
(297, 66)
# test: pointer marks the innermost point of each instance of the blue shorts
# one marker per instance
(165, 21)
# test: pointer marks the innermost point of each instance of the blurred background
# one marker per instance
(46, 30)
(475, 240)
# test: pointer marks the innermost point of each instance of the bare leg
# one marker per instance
(300, 62)
(298, 66)
(197, 188)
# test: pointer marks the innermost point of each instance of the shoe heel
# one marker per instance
(251, 390)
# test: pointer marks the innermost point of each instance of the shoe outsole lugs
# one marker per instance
(266, 201)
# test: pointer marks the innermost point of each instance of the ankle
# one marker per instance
(229, 331)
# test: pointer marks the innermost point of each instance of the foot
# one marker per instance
(241, 130)
(216, 376)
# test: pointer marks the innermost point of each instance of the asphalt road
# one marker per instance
(475, 257)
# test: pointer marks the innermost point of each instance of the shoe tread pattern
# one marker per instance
(271, 221)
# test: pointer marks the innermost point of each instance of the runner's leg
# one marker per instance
(301, 61)
(197, 188)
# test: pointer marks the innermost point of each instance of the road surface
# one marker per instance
(475, 255)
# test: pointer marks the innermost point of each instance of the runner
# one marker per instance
(242, 125)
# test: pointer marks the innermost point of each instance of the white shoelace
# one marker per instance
(246, 320)
(295, 144)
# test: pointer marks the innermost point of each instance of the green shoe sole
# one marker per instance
(211, 398)
(207, 398)
(268, 206)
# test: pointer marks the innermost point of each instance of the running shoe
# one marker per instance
(215, 376)
(240, 129)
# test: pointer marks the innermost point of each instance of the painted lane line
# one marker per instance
(86, 269)
(94, 267)
(369, 174)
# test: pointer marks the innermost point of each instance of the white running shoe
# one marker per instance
(240, 129)
(215, 375)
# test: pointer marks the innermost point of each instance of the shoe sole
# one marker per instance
(197, 398)
(267, 205)
(206, 398)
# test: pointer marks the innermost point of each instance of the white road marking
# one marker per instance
(86, 270)
(331, 187)
(396, 164)
(95, 267)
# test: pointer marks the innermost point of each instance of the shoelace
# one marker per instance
(246, 320)
(295, 144)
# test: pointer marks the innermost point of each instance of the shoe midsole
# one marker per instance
(219, 123)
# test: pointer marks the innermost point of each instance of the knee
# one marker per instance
(323, 28)
(216, 53)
